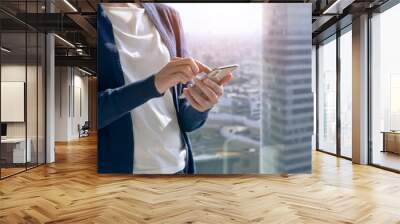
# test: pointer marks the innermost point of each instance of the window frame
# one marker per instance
(334, 37)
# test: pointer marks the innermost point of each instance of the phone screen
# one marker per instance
(219, 73)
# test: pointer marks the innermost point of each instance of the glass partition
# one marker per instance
(22, 90)
(13, 105)
(31, 99)
(41, 96)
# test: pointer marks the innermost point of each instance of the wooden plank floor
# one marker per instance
(70, 191)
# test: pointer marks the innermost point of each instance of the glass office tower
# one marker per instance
(287, 102)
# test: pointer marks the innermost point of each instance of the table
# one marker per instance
(391, 141)
(13, 150)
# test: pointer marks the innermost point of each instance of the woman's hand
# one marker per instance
(207, 93)
(178, 70)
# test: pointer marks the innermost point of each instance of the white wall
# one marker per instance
(79, 117)
(61, 103)
(70, 83)
(16, 73)
(12, 101)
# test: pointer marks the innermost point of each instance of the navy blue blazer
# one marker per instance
(116, 100)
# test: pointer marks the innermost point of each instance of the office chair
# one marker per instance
(84, 130)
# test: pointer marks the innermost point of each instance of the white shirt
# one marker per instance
(158, 145)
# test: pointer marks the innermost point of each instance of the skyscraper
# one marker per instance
(287, 99)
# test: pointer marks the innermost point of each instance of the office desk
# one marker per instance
(13, 150)
(391, 141)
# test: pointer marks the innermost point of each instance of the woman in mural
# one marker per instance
(143, 69)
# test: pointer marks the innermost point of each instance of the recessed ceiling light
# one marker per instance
(338, 6)
(84, 71)
(70, 5)
(65, 41)
(5, 50)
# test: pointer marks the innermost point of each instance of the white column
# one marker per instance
(360, 90)
(50, 99)
(63, 99)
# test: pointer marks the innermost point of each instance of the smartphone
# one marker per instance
(217, 74)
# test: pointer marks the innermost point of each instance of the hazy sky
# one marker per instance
(220, 18)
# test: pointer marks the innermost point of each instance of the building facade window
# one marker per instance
(327, 95)
(346, 93)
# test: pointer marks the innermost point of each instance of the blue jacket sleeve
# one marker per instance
(114, 103)
(191, 119)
